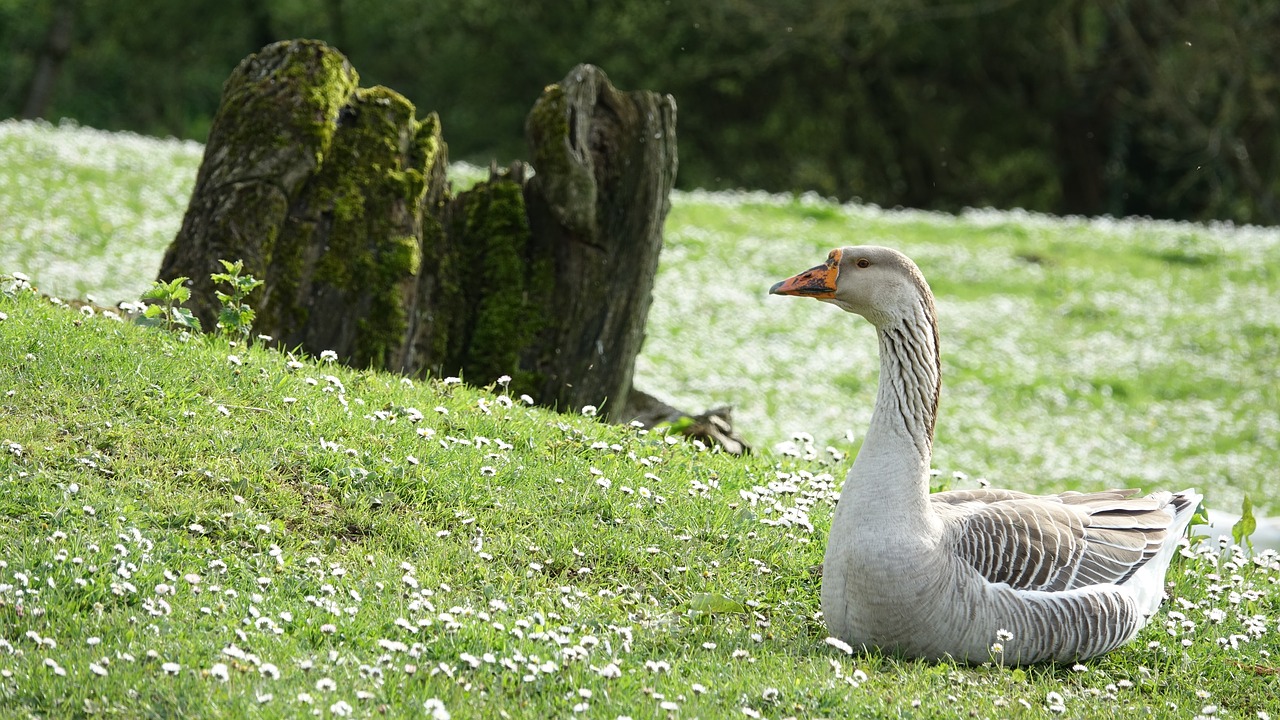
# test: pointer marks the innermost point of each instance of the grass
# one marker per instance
(1075, 355)
(191, 528)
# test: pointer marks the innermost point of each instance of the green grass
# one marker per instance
(160, 503)
(1076, 354)
(91, 210)
(283, 530)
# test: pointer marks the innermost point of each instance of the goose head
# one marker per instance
(879, 283)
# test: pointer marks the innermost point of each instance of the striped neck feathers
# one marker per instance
(910, 374)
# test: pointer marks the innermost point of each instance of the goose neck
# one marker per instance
(893, 464)
(910, 380)
(900, 437)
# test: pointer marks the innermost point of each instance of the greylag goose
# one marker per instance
(973, 575)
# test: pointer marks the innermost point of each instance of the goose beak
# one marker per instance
(816, 282)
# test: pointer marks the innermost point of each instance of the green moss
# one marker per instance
(501, 287)
(372, 184)
(567, 183)
(550, 133)
(427, 142)
(277, 115)
(346, 172)
(549, 118)
(330, 92)
(426, 149)
(404, 256)
(258, 113)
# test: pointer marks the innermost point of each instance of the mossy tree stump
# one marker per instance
(558, 268)
(318, 185)
(336, 197)
(606, 163)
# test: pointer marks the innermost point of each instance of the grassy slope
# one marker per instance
(1078, 354)
(1150, 362)
(162, 504)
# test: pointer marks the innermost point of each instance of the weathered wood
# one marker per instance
(336, 197)
(343, 275)
(548, 279)
(318, 185)
(714, 426)
(484, 300)
(274, 125)
(606, 163)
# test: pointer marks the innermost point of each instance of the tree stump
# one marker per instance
(336, 196)
(559, 267)
(318, 186)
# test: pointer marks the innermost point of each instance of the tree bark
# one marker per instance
(336, 197)
(559, 267)
(275, 124)
(606, 163)
(317, 185)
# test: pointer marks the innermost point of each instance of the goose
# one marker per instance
(971, 575)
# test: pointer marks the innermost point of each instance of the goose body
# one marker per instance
(972, 575)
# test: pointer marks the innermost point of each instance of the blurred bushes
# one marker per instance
(1159, 107)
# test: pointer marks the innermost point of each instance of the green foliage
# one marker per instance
(166, 309)
(235, 319)
(1081, 106)
(715, 604)
(679, 425)
(1244, 528)
(294, 554)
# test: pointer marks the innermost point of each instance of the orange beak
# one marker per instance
(816, 282)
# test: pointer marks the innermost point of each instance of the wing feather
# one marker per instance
(1055, 542)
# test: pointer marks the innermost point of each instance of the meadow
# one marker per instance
(202, 529)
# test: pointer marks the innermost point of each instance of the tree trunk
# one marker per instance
(336, 197)
(558, 269)
(606, 164)
(56, 46)
(275, 125)
(318, 185)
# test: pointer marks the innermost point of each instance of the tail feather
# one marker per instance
(1148, 582)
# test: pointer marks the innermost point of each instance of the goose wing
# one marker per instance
(1057, 542)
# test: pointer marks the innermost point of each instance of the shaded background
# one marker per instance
(1167, 108)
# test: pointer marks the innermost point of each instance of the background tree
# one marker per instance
(1159, 107)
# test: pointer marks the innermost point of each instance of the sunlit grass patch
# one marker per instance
(184, 535)
(1077, 352)
(89, 212)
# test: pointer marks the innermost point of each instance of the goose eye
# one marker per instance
(863, 263)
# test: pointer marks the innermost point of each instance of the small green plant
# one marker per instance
(236, 317)
(1244, 528)
(165, 309)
